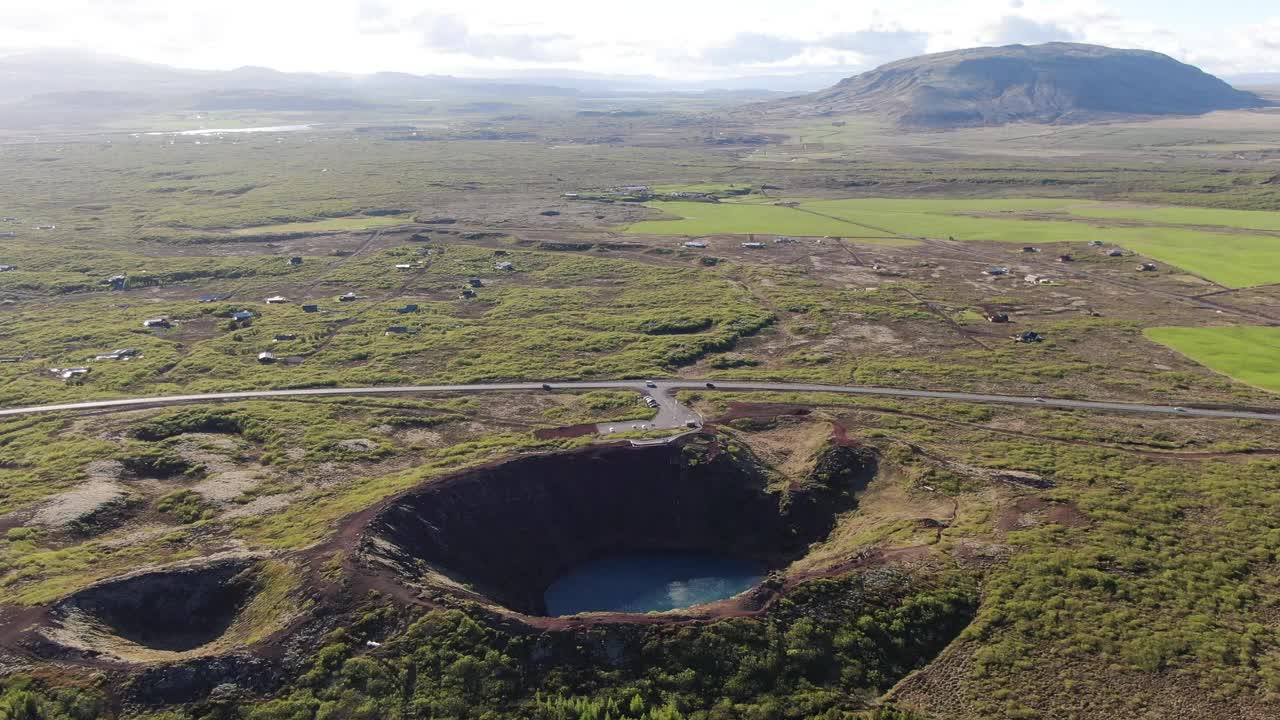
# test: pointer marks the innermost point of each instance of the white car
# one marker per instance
(650, 384)
(1179, 409)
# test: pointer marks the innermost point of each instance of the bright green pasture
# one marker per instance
(1250, 354)
(1242, 219)
(1232, 260)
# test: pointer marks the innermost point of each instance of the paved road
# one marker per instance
(670, 412)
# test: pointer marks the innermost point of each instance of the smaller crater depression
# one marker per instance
(174, 610)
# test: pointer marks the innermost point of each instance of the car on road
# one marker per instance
(1038, 399)
(650, 384)
(546, 386)
(711, 385)
(691, 423)
(1179, 409)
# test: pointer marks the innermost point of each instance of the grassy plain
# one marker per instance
(1248, 354)
(345, 224)
(1142, 546)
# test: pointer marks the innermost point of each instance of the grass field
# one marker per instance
(742, 219)
(329, 225)
(1241, 219)
(1248, 354)
(1232, 260)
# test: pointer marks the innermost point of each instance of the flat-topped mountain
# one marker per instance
(1050, 83)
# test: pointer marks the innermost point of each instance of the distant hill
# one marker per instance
(54, 72)
(1050, 83)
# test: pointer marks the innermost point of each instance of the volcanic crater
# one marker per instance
(502, 534)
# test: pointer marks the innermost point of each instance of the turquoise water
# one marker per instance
(639, 582)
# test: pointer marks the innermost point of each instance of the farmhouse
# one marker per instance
(753, 245)
(695, 245)
(997, 317)
(410, 308)
(295, 261)
(159, 322)
(242, 315)
(1095, 243)
(1065, 259)
(475, 282)
(504, 266)
(277, 300)
(468, 293)
(310, 308)
(266, 357)
(1147, 267)
(349, 297)
(1030, 336)
(397, 330)
(996, 271)
(1030, 249)
(283, 337)
(7, 268)
(784, 240)
(116, 282)
(404, 266)
(1115, 252)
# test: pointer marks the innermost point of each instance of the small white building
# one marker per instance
(277, 300)
(695, 245)
(504, 266)
(266, 357)
(754, 245)
(160, 322)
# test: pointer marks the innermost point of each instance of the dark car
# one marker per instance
(546, 386)
(711, 385)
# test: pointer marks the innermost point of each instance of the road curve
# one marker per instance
(670, 412)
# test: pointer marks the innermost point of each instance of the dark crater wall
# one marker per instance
(178, 609)
(509, 530)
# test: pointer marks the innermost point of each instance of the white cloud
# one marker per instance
(1015, 29)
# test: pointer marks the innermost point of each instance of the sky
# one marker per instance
(672, 39)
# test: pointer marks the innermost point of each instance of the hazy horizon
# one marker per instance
(748, 39)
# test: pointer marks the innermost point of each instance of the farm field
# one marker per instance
(1248, 354)
(699, 218)
(1233, 260)
(1238, 219)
